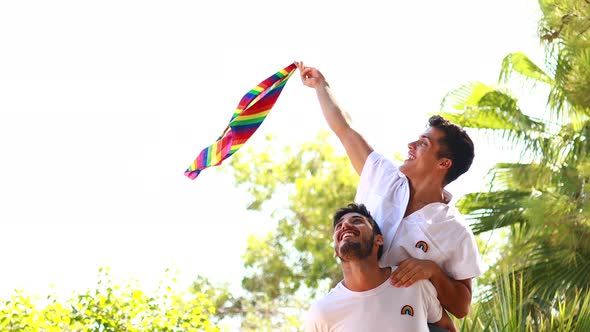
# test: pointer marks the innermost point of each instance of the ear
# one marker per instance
(379, 240)
(445, 163)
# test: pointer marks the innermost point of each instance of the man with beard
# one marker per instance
(365, 300)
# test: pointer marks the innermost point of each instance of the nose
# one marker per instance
(412, 145)
(346, 223)
(344, 226)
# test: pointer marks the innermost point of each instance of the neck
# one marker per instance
(427, 188)
(364, 275)
(423, 192)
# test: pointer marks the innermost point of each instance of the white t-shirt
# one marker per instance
(437, 232)
(385, 308)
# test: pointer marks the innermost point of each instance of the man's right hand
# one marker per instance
(310, 76)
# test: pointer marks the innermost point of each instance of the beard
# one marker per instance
(355, 250)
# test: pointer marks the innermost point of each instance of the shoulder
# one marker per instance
(315, 320)
(379, 171)
(427, 288)
(323, 312)
(447, 215)
(315, 312)
(375, 159)
(324, 303)
(427, 294)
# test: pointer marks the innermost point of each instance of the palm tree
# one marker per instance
(544, 199)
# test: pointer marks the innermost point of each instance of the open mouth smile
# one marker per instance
(348, 234)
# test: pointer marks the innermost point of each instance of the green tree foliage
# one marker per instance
(110, 307)
(541, 281)
(301, 187)
(543, 199)
(565, 27)
(503, 311)
(225, 303)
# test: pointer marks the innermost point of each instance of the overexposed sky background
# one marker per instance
(104, 104)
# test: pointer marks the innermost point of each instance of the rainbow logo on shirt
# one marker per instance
(422, 245)
(407, 310)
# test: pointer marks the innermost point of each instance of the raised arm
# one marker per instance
(339, 121)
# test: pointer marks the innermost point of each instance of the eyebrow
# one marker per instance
(426, 137)
(353, 218)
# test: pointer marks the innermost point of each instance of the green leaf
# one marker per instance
(519, 63)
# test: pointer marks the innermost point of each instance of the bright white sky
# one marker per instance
(104, 104)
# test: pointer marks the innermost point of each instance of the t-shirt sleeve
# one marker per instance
(431, 302)
(313, 321)
(375, 169)
(464, 261)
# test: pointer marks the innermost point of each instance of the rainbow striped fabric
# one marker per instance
(251, 111)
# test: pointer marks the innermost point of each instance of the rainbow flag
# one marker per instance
(251, 111)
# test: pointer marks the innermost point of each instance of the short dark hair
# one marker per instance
(362, 210)
(455, 145)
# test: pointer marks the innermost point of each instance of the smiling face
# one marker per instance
(423, 156)
(354, 238)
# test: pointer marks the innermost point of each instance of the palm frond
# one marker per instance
(479, 106)
(492, 210)
(557, 100)
(575, 83)
(520, 176)
(549, 272)
(519, 63)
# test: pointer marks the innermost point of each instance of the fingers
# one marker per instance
(407, 273)
(306, 73)
(310, 76)
(405, 278)
(302, 69)
(402, 276)
(412, 279)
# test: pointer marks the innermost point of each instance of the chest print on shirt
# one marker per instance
(422, 245)
(407, 310)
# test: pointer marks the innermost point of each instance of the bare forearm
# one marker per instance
(355, 145)
(454, 295)
(338, 120)
(446, 323)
